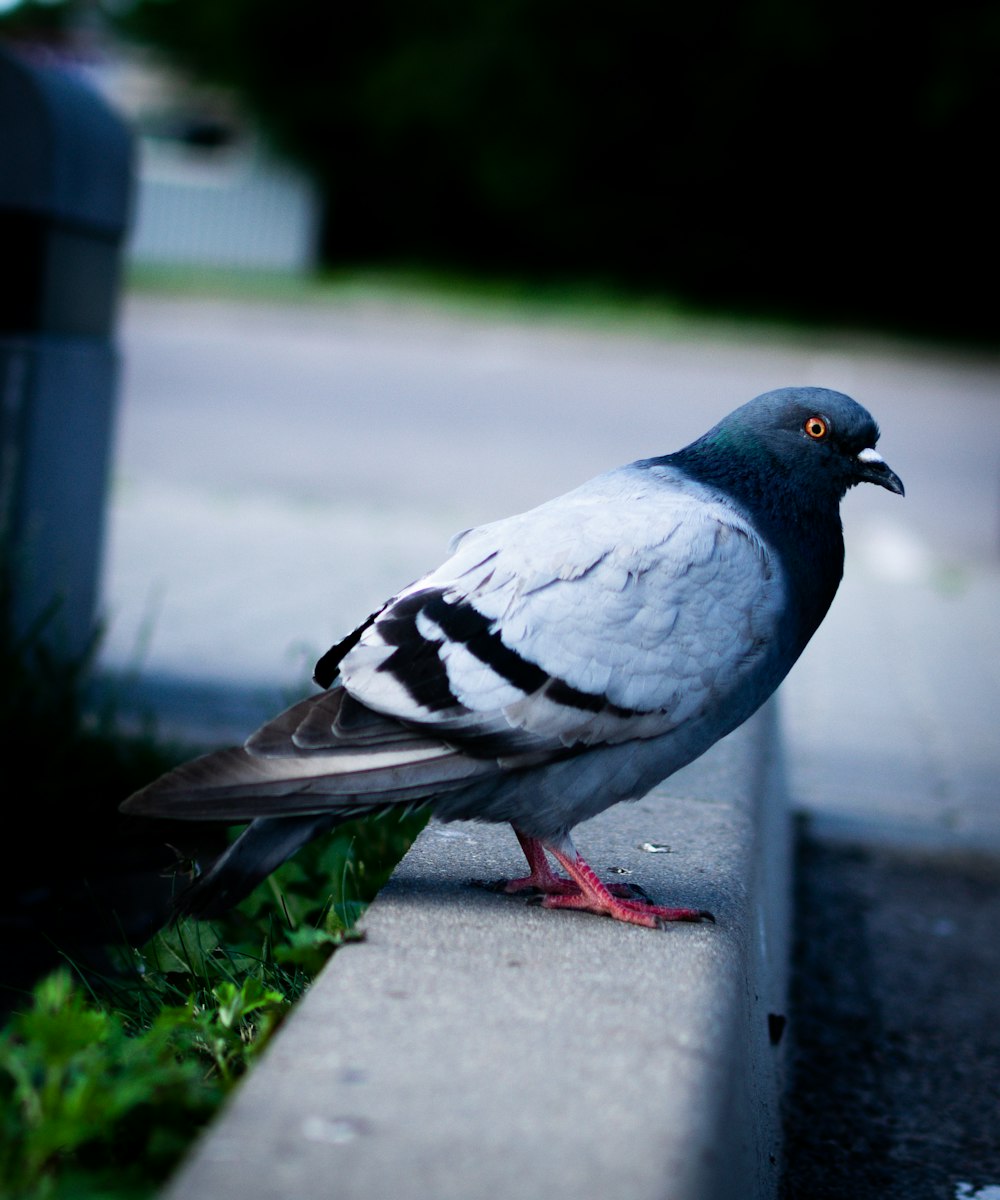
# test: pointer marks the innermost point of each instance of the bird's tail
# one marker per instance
(328, 754)
(319, 763)
(260, 849)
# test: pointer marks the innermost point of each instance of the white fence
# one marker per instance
(235, 207)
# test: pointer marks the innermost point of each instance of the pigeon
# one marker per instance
(558, 661)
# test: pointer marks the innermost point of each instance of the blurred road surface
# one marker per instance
(281, 469)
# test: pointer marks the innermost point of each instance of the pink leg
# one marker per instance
(542, 877)
(585, 891)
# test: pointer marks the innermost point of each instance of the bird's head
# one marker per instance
(815, 438)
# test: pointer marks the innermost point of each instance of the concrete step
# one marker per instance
(475, 1045)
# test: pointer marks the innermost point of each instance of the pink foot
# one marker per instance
(585, 891)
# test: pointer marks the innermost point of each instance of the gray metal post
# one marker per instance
(65, 183)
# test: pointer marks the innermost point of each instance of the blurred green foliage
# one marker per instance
(825, 159)
(85, 1107)
(795, 157)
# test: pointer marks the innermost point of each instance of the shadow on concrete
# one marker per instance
(894, 1086)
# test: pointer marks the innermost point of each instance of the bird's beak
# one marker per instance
(872, 468)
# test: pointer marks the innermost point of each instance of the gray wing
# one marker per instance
(620, 611)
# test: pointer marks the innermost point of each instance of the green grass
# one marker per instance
(104, 1080)
(113, 1061)
(106, 1076)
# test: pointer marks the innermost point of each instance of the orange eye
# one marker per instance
(815, 427)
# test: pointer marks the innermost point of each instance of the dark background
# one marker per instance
(820, 160)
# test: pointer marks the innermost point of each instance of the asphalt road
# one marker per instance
(895, 1080)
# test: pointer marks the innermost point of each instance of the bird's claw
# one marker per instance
(691, 915)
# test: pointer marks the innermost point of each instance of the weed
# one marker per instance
(125, 1032)
(104, 1079)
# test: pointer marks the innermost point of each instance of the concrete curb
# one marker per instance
(475, 1045)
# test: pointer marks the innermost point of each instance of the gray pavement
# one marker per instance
(281, 470)
(891, 714)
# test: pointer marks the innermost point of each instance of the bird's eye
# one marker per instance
(815, 427)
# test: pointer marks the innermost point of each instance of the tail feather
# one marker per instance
(260, 849)
(319, 763)
(233, 786)
(325, 755)
(330, 721)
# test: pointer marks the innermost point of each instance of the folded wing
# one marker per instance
(619, 611)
